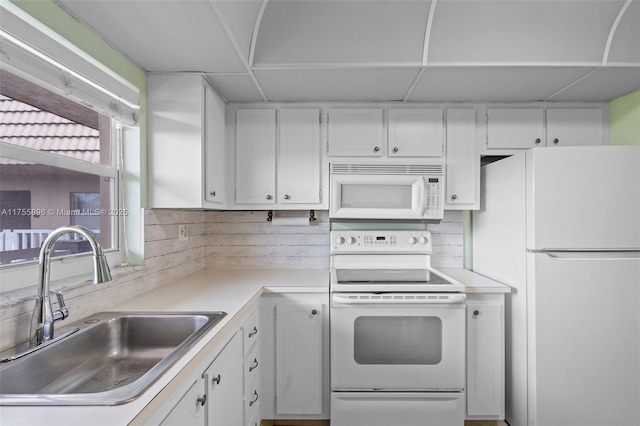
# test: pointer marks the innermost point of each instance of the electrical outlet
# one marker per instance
(183, 232)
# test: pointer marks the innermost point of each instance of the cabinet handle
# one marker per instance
(216, 380)
(202, 400)
(376, 149)
(286, 197)
(555, 141)
(395, 149)
(476, 312)
(454, 197)
(255, 398)
(269, 197)
(213, 193)
(314, 312)
(255, 365)
(253, 332)
(538, 141)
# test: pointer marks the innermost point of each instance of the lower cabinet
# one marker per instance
(190, 410)
(223, 380)
(295, 355)
(485, 356)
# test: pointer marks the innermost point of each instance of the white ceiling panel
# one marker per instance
(604, 85)
(161, 35)
(236, 87)
(508, 84)
(347, 31)
(501, 31)
(625, 46)
(241, 17)
(387, 84)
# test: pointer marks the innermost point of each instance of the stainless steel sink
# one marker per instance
(110, 360)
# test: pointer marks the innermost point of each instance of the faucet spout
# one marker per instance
(43, 319)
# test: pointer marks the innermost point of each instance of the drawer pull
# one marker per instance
(253, 332)
(254, 366)
(216, 380)
(202, 400)
(255, 398)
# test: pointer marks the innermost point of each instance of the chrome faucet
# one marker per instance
(44, 317)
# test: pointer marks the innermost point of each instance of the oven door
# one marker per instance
(398, 341)
(386, 197)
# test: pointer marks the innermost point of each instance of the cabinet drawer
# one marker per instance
(251, 368)
(250, 332)
(252, 403)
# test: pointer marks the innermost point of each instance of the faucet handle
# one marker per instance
(63, 312)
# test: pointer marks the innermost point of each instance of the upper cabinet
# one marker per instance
(415, 132)
(354, 132)
(186, 140)
(522, 128)
(462, 161)
(278, 158)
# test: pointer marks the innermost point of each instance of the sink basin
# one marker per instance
(110, 360)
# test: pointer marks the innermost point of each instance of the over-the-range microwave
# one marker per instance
(386, 191)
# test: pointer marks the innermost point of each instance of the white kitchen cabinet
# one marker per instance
(485, 356)
(256, 156)
(509, 128)
(415, 132)
(298, 180)
(186, 139)
(223, 380)
(190, 410)
(355, 132)
(517, 128)
(278, 161)
(574, 126)
(462, 161)
(251, 332)
(295, 356)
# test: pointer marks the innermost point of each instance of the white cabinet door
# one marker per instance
(575, 126)
(189, 411)
(299, 358)
(355, 132)
(255, 156)
(485, 356)
(463, 163)
(214, 147)
(515, 128)
(415, 132)
(299, 156)
(224, 386)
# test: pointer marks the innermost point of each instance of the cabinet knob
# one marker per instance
(538, 141)
(255, 398)
(216, 380)
(286, 197)
(314, 312)
(269, 197)
(376, 149)
(395, 149)
(202, 400)
(555, 141)
(476, 312)
(454, 197)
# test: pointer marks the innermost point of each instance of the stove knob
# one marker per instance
(422, 240)
(340, 241)
(412, 240)
(351, 240)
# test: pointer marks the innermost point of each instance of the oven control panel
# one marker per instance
(382, 241)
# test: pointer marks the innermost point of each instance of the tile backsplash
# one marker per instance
(229, 239)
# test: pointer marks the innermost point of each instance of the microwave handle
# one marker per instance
(423, 197)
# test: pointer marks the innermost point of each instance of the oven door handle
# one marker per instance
(457, 299)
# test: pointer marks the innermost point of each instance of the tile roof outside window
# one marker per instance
(27, 126)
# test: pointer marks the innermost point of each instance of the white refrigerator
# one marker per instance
(561, 226)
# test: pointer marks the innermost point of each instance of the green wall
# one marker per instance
(624, 120)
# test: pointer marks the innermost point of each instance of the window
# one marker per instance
(56, 169)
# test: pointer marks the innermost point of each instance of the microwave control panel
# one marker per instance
(434, 193)
(383, 241)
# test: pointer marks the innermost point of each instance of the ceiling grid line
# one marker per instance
(570, 85)
(256, 29)
(612, 32)
(225, 26)
(427, 32)
(413, 85)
